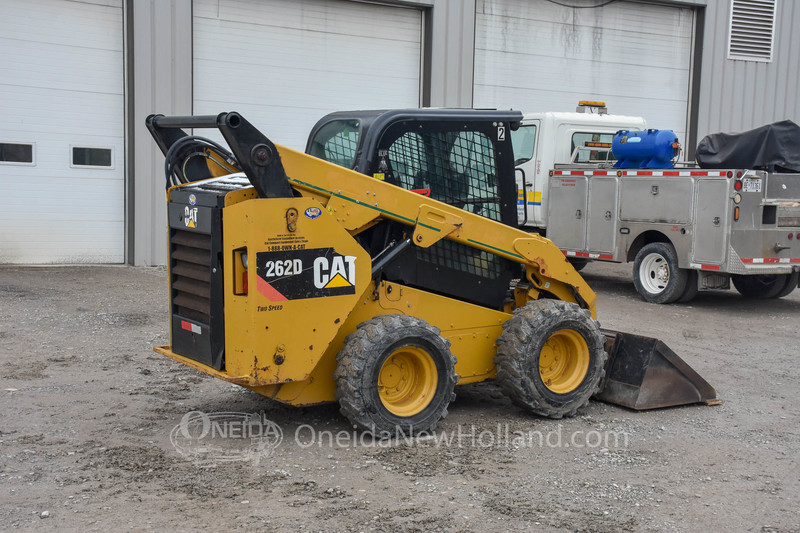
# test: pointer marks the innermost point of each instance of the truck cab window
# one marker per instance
(524, 142)
(584, 156)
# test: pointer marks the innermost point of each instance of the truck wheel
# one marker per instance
(791, 285)
(395, 375)
(550, 358)
(656, 274)
(763, 286)
(578, 264)
(691, 289)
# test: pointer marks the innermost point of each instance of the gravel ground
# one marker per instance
(87, 411)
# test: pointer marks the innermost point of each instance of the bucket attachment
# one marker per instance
(643, 373)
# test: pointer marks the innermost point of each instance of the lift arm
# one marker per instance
(357, 200)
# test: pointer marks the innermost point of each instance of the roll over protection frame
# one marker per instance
(257, 155)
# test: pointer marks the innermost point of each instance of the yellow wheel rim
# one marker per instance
(407, 381)
(564, 361)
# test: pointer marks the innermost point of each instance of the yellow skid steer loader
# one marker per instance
(382, 285)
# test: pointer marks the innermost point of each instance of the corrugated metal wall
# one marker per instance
(740, 95)
(160, 41)
(452, 42)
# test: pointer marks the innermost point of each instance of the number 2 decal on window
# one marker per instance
(501, 133)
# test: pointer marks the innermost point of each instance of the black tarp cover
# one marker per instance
(774, 147)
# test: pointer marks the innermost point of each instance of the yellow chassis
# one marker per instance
(286, 349)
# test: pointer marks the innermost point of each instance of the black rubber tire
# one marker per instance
(359, 363)
(667, 259)
(761, 287)
(691, 289)
(791, 285)
(519, 348)
(578, 264)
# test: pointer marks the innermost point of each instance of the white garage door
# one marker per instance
(284, 64)
(61, 133)
(534, 55)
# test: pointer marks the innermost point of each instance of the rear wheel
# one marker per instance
(550, 358)
(764, 286)
(656, 275)
(395, 374)
(791, 285)
(578, 264)
(692, 287)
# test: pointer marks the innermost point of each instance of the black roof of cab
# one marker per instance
(373, 122)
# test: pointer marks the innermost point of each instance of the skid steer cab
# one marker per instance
(309, 281)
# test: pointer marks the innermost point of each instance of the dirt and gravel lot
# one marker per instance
(87, 409)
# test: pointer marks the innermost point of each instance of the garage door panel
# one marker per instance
(92, 199)
(631, 14)
(59, 22)
(343, 18)
(548, 74)
(52, 160)
(538, 56)
(74, 246)
(285, 64)
(303, 88)
(296, 49)
(25, 67)
(61, 221)
(79, 114)
(613, 47)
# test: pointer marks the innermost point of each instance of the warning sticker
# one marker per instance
(299, 274)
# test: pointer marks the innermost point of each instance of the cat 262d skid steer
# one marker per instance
(309, 282)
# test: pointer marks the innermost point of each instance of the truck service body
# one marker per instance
(713, 225)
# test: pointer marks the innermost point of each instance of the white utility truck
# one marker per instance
(685, 228)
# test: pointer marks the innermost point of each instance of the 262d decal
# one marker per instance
(299, 274)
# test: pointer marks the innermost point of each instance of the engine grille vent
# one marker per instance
(191, 275)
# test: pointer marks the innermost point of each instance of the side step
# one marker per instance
(644, 373)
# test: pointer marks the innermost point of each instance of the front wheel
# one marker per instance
(656, 275)
(550, 358)
(395, 375)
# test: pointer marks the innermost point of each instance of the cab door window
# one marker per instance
(524, 142)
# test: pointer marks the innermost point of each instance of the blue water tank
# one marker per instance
(645, 149)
